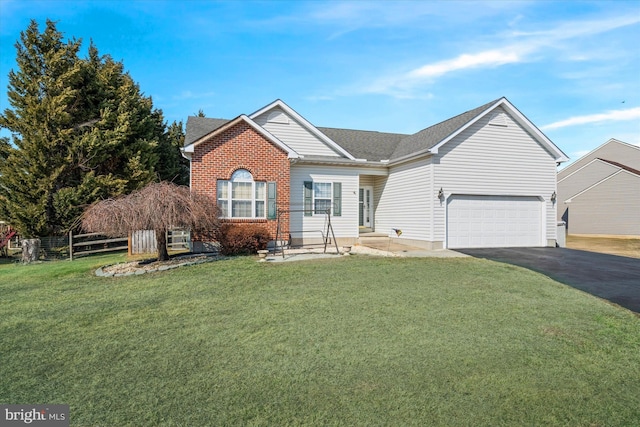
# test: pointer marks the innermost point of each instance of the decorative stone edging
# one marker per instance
(139, 271)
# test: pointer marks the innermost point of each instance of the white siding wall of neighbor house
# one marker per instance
(611, 150)
(404, 201)
(582, 178)
(611, 207)
(292, 133)
(345, 226)
(498, 161)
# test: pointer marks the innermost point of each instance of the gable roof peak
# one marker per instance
(617, 141)
(429, 140)
(304, 123)
(226, 124)
(433, 135)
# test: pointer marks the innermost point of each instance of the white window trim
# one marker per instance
(311, 198)
(315, 197)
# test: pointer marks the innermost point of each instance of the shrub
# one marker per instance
(242, 239)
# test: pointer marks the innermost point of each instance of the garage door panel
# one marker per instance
(493, 221)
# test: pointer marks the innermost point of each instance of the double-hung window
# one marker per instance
(322, 196)
(242, 197)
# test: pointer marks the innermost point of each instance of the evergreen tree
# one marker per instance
(82, 131)
(172, 166)
(4, 153)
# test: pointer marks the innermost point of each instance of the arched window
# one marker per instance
(241, 175)
(242, 197)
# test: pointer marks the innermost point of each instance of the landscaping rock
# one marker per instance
(142, 267)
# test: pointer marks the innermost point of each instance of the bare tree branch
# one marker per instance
(159, 207)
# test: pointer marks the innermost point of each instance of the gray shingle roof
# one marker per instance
(431, 136)
(197, 127)
(363, 144)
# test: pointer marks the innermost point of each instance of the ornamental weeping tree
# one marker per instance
(159, 207)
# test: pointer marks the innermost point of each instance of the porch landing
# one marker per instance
(385, 245)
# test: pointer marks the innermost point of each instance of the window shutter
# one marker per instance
(271, 200)
(308, 198)
(337, 199)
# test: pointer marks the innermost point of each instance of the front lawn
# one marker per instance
(350, 341)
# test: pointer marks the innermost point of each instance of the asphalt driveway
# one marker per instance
(614, 278)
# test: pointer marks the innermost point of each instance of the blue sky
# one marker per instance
(572, 67)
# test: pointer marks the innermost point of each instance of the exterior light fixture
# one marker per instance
(554, 197)
(440, 193)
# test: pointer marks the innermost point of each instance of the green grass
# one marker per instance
(352, 341)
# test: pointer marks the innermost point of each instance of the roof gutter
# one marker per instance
(341, 162)
(407, 158)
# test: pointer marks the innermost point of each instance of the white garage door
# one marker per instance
(493, 221)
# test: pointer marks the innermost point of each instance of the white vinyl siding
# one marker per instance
(583, 178)
(610, 207)
(345, 225)
(293, 134)
(497, 161)
(367, 180)
(580, 180)
(403, 200)
(611, 150)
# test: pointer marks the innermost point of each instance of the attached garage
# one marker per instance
(494, 221)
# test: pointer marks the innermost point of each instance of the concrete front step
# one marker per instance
(374, 239)
(373, 234)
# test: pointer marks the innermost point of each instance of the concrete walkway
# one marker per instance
(389, 248)
(373, 249)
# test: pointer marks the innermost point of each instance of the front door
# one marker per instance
(365, 212)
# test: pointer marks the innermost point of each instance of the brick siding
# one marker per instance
(242, 147)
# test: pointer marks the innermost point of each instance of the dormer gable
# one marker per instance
(296, 132)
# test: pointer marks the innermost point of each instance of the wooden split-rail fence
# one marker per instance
(139, 242)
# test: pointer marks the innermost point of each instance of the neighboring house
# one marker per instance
(484, 178)
(599, 194)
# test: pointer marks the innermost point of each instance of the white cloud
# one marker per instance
(517, 47)
(187, 94)
(403, 85)
(489, 58)
(573, 29)
(609, 116)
